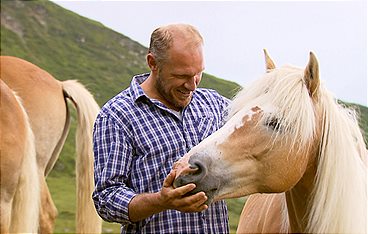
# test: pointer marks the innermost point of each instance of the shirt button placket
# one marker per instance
(203, 218)
(188, 138)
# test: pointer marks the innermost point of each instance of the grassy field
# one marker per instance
(62, 189)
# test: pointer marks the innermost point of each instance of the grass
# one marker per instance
(63, 193)
(62, 190)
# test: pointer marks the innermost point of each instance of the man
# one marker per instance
(142, 131)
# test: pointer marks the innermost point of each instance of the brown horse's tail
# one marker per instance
(87, 218)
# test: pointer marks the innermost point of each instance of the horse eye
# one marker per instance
(273, 123)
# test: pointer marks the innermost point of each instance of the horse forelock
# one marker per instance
(283, 96)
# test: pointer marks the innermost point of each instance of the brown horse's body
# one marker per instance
(18, 167)
(39, 91)
(44, 99)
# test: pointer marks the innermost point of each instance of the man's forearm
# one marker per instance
(143, 206)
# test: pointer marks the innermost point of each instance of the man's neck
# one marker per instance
(149, 89)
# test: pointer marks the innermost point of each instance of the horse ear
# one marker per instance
(311, 75)
(269, 63)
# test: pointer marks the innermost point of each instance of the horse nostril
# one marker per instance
(196, 168)
(199, 171)
(194, 173)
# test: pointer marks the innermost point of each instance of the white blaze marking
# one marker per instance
(209, 144)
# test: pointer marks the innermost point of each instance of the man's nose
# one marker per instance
(192, 83)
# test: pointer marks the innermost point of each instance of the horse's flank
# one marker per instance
(19, 173)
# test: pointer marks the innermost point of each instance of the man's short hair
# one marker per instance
(162, 39)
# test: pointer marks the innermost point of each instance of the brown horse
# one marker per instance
(286, 134)
(45, 101)
(18, 165)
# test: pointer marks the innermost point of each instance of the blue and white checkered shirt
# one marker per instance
(136, 142)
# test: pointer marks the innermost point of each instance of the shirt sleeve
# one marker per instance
(113, 158)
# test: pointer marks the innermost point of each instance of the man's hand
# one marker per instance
(147, 204)
(177, 199)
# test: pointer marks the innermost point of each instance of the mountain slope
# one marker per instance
(70, 46)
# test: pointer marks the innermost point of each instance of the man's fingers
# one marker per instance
(196, 203)
(169, 179)
(194, 200)
(199, 198)
(178, 200)
(202, 207)
(181, 191)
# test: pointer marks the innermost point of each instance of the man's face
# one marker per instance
(179, 76)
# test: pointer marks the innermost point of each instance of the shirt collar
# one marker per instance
(136, 89)
(137, 92)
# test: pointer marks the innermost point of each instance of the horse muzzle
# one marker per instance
(196, 169)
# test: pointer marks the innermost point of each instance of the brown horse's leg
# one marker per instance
(48, 210)
(5, 214)
(9, 181)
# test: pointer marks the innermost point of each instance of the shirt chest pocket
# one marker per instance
(205, 125)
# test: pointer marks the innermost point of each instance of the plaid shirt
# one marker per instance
(136, 142)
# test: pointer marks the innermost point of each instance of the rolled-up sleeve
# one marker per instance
(113, 158)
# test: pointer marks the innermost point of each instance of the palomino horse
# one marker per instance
(18, 167)
(286, 134)
(45, 102)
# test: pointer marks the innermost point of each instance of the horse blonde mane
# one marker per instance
(339, 203)
(339, 200)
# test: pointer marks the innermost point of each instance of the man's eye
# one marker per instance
(181, 77)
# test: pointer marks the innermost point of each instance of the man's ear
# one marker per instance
(151, 61)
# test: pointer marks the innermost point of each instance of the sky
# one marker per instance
(235, 33)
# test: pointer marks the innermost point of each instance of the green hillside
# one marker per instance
(70, 46)
(362, 113)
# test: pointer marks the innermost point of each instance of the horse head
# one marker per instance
(264, 146)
